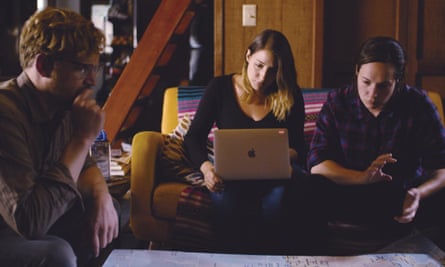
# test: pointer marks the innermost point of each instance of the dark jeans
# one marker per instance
(271, 217)
(371, 208)
(306, 216)
(67, 243)
(430, 212)
(247, 216)
(47, 251)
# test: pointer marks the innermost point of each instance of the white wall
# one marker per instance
(71, 4)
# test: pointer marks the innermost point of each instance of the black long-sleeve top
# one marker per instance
(219, 106)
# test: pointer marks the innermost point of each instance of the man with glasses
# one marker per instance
(54, 203)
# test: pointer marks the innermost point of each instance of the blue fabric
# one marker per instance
(245, 209)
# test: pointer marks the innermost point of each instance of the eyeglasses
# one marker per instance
(85, 69)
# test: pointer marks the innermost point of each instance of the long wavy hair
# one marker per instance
(280, 94)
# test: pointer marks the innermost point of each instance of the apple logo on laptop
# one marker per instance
(251, 153)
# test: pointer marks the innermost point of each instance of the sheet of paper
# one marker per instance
(148, 258)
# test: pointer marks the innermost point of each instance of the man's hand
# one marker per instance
(87, 120)
(88, 117)
(103, 222)
(374, 173)
(410, 206)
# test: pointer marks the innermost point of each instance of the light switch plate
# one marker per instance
(249, 15)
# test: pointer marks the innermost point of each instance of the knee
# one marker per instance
(59, 253)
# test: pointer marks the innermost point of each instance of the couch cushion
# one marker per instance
(314, 98)
(165, 199)
(193, 229)
(174, 164)
(313, 102)
(188, 101)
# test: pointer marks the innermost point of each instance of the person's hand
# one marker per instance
(293, 155)
(211, 180)
(87, 116)
(104, 223)
(374, 173)
(410, 206)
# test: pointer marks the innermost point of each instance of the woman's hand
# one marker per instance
(211, 180)
(293, 155)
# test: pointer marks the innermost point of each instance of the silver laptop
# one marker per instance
(252, 154)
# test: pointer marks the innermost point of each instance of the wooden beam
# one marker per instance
(143, 61)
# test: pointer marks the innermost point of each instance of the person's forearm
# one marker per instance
(42, 207)
(434, 184)
(337, 173)
(74, 156)
(293, 155)
(91, 182)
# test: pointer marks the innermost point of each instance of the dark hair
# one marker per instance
(386, 50)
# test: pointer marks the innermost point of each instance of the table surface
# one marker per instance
(414, 250)
(118, 186)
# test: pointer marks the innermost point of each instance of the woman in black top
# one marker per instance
(264, 95)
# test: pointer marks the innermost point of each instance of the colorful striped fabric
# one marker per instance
(193, 230)
(189, 96)
(313, 102)
(188, 101)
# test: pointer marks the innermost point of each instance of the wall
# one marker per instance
(417, 24)
(425, 40)
(70, 4)
(299, 20)
(325, 36)
(347, 24)
(12, 16)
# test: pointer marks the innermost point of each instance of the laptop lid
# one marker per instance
(252, 154)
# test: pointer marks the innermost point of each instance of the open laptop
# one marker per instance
(252, 154)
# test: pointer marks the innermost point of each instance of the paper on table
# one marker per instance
(147, 258)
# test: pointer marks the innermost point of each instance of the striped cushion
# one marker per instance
(173, 162)
(313, 102)
(188, 101)
(189, 96)
(193, 230)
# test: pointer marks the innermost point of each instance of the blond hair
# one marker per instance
(280, 95)
(59, 33)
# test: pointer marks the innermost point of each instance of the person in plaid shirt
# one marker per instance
(380, 144)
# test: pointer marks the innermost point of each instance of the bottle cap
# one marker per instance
(102, 136)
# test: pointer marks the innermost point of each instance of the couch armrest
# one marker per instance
(145, 149)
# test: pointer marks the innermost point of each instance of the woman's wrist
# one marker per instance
(206, 166)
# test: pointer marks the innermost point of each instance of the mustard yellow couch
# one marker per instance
(154, 203)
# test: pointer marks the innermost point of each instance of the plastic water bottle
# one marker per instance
(100, 151)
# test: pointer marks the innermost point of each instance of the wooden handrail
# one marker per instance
(168, 20)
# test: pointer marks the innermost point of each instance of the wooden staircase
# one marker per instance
(144, 70)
